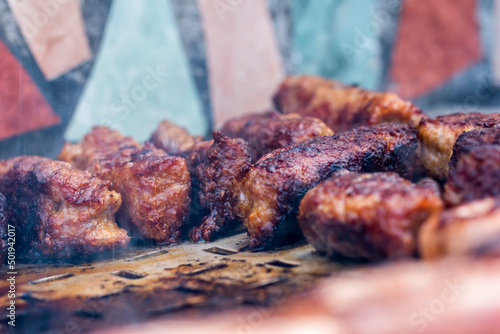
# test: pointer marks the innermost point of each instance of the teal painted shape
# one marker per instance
(339, 39)
(141, 75)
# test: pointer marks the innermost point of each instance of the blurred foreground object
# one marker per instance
(455, 296)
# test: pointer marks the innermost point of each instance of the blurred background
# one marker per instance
(67, 65)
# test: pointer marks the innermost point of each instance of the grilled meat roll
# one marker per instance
(155, 187)
(366, 216)
(472, 228)
(59, 211)
(271, 130)
(342, 107)
(437, 137)
(273, 188)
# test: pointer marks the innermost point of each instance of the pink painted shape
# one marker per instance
(55, 33)
(22, 106)
(243, 58)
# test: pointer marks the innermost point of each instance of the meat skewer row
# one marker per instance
(155, 187)
(217, 167)
(59, 211)
(273, 188)
(342, 107)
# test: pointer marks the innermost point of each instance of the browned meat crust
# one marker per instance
(58, 210)
(100, 141)
(271, 130)
(437, 138)
(401, 150)
(472, 228)
(468, 141)
(275, 185)
(155, 187)
(217, 169)
(342, 107)
(3, 229)
(173, 139)
(296, 92)
(366, 216)
(475, 176)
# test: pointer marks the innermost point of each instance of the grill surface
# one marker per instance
(137, 284)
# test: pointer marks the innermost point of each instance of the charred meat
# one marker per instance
(437, 137)
(342, 107)
(366, 216)
(217, 170)
(273, 188)
(271, 130)
(58, 210)
(155, 187)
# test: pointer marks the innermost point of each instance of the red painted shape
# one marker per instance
(436, 39)
(22, 107)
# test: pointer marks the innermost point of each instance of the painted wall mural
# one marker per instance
(67, 65)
